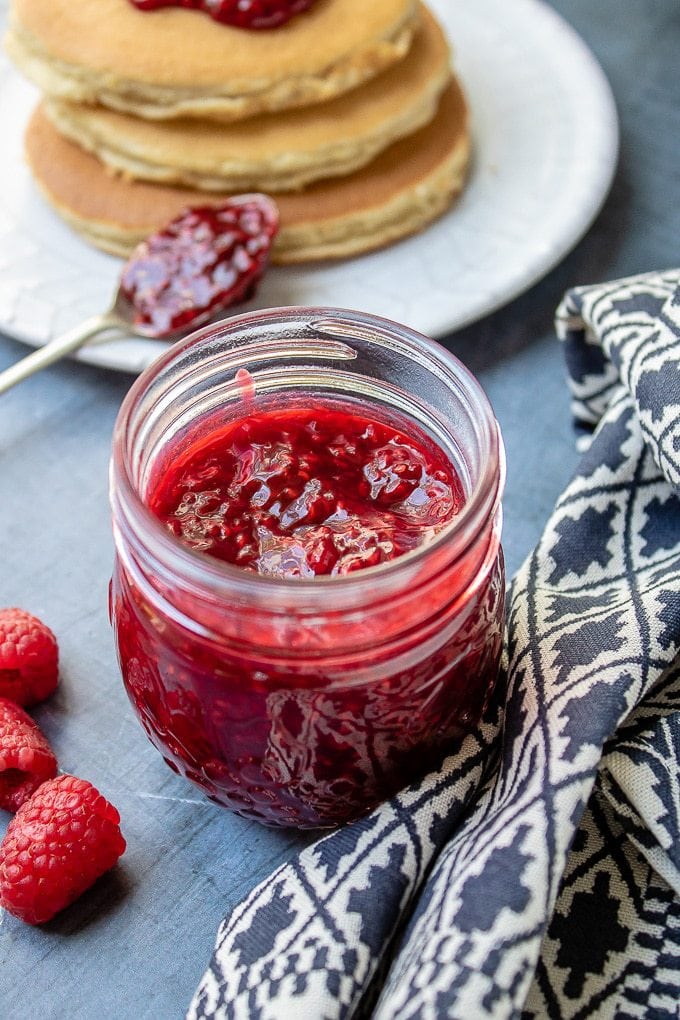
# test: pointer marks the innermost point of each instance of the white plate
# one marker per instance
(545, 137)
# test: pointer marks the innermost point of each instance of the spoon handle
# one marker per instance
(58, 348)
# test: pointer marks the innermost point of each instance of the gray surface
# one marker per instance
(135, 946)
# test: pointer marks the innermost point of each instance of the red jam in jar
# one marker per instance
(306, 492)
(308, 588)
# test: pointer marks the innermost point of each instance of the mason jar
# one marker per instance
(305, 701)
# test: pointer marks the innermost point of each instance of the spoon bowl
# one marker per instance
(207, 258)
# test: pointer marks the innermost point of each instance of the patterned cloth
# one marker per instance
(537, 874)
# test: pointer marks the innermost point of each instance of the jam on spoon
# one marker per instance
(207, 258)
(256, 14)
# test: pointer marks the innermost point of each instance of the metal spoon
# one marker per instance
(118, 317)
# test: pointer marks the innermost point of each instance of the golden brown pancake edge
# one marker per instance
(108, 51)
(277, 152)
(398, 193)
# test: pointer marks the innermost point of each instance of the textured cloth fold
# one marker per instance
(537, 873)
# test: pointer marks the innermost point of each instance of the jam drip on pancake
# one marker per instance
(257, 14)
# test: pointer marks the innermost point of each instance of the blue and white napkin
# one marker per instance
(537, 873)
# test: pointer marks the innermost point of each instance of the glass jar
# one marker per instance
(305, 701)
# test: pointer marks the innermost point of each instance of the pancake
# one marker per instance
(406, 187)
(399, 193)
(277, 151)
(177, 62)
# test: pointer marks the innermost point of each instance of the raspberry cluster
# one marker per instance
(64, 834)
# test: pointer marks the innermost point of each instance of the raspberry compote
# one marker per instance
(252, 14)
(308, 589)
(307, 491)
(207, 258)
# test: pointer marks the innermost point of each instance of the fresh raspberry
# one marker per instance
(28, 657)
(241, 13)
(56, 846)
(26, 759)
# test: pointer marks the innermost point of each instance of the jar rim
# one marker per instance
(480, 504)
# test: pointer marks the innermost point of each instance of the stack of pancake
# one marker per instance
(349, 116)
